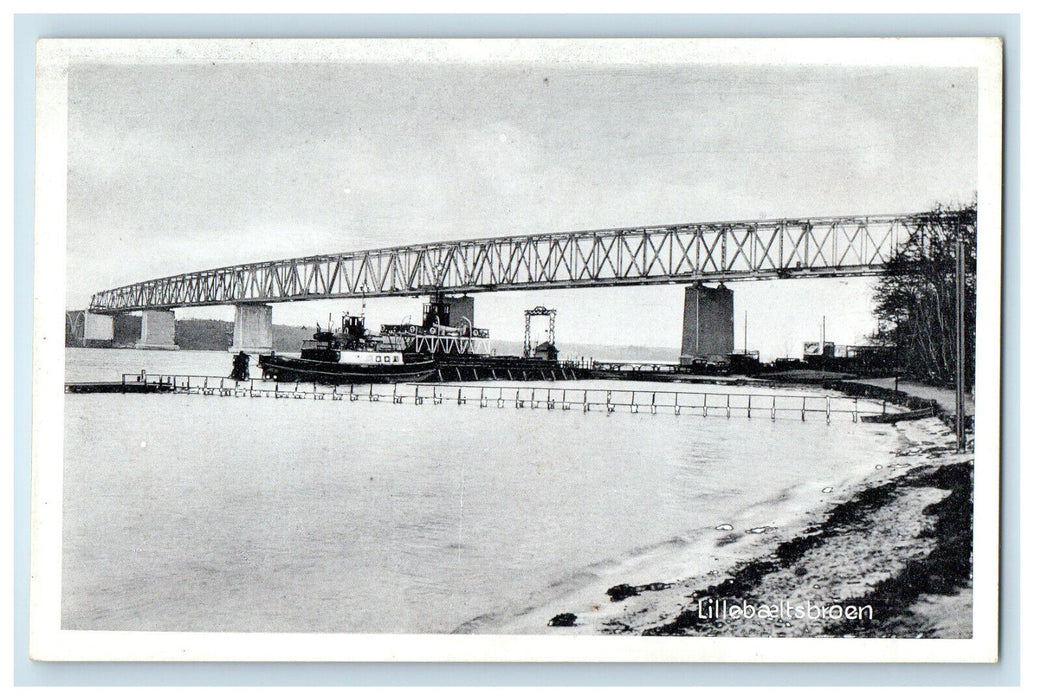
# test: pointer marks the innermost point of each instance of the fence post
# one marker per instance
(803, 413)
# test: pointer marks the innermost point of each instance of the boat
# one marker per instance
(350, 356)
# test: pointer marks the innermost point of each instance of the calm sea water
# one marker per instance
(191, 513)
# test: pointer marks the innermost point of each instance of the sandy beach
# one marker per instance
(888, 555)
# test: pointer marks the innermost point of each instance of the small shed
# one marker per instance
(546, 351)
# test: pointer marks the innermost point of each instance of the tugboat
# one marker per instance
(350, 356)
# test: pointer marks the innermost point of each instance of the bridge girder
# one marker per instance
(676, 254)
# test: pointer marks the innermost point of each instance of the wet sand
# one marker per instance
(892, 551)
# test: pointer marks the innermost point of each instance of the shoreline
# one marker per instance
(895, 545)
(826, 556)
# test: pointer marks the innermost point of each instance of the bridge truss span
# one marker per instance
(683, 253)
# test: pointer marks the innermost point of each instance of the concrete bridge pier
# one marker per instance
(84, 329)
(157, 330)
(460, 311)
(253, 334)
(452, 311)
(708, 323)
(98, 330)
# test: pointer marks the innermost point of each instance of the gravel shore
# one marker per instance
(890, 556)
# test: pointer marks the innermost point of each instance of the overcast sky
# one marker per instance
(174, 168)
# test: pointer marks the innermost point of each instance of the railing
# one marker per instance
(700, 403)
(658, 367)
(704, 403)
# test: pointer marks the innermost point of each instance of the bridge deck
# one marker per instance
(675, 254)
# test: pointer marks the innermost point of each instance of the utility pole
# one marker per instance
(959, 398)
(745, 351)
(824, 335)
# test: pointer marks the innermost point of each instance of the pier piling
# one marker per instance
(711, 403)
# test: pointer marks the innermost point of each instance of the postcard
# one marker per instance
(517, 350)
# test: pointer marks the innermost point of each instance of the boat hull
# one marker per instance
(295, 369)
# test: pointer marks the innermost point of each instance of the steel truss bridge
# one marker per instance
(676, 254)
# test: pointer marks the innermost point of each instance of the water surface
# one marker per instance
(193, 513)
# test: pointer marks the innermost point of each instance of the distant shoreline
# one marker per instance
(216, 336)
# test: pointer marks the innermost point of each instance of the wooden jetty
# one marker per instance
(722, 403)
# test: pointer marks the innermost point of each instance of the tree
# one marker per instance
(915, 300)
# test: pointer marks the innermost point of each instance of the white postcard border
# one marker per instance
(49, 642)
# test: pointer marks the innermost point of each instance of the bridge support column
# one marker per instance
(157, 330)
(253, 334)
(460, 311)
(87, 330)
(97, 330)
(708, 323)
(450, 311)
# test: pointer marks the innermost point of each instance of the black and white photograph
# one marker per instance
(517, 349)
